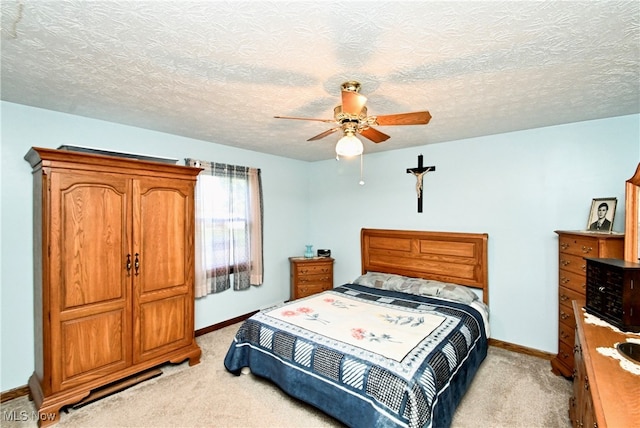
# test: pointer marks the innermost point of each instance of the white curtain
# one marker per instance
(228, 227)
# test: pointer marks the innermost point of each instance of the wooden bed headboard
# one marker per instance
(459, 258)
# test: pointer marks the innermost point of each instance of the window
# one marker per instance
(228, 227)
(224, 217)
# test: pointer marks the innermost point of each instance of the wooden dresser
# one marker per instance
(604, 394)
(310, 275)
(113, 272)
(574, 246)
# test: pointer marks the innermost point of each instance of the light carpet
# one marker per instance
(509, 390)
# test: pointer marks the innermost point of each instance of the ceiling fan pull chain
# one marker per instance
(361, 170)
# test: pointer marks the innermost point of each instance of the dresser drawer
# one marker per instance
(573, 263)
(316, 268)
(565, 355)
(566, 334)
(311, 279)
(304, 290)
(573, 281)
(565, 315)
(579, 246)
(566, 295)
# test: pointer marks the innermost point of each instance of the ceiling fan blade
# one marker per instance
(416, 118)
(324, 134)
(305, 118)
(352, 102)
(374, 135)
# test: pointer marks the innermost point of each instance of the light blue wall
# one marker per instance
(285, 214)
(517, 187)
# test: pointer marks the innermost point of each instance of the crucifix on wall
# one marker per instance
(419, 172)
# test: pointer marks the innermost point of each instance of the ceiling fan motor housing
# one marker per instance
(351, 86)
(350, 121)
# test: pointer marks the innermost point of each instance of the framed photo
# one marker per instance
(601, 215)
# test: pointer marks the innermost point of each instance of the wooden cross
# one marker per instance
(419, 172)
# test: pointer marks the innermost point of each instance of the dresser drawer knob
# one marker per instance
(565, 280)
(564, 315)
(586, 249)
(564, 262)
(564, 245)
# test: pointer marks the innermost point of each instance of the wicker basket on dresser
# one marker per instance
(574, 246)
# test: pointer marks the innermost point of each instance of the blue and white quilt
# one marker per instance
(368, 357)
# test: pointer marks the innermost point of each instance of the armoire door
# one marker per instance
(164, 267)
(90, 294)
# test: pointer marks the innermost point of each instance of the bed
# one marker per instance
(398, 347)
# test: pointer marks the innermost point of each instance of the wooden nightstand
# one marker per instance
(310, 275)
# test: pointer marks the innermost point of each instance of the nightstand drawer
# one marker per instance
(309, 279)
(316, 268)
(305, 290)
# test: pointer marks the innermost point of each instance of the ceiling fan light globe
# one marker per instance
(349, 145)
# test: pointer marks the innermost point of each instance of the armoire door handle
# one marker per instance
(128, 264)
(136, 263)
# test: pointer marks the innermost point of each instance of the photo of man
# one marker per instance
(601, 216)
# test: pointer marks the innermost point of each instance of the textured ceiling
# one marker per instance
(220, 70)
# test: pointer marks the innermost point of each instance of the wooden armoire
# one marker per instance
(113, 272)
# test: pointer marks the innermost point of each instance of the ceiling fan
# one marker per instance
(351, 117)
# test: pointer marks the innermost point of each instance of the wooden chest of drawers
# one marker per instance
(310, 275)
(574, 246)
